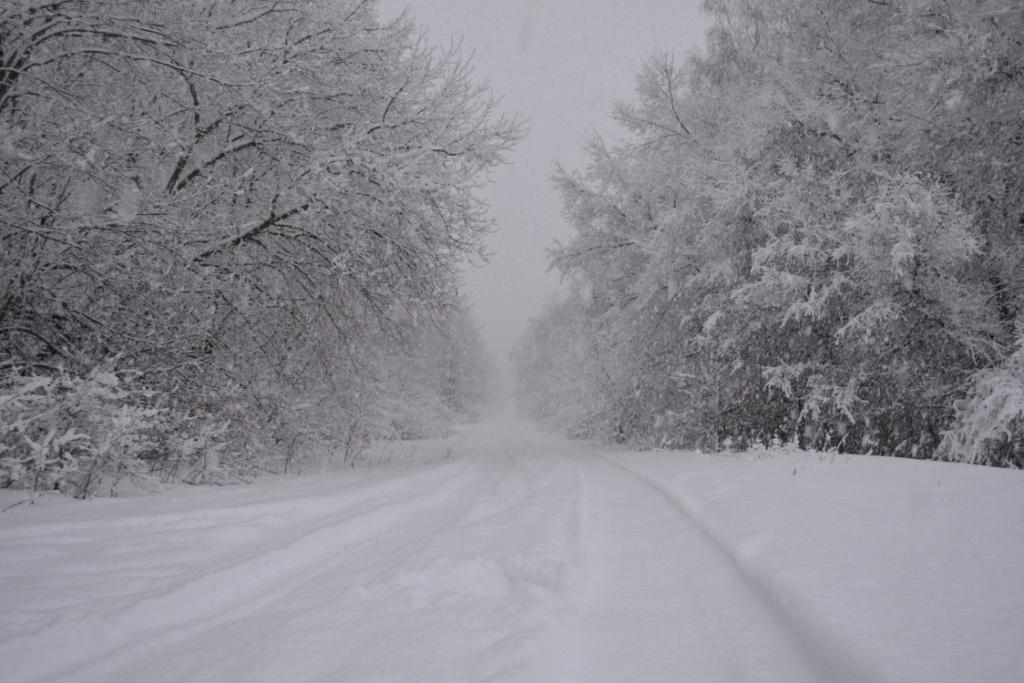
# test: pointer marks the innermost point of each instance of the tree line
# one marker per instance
(811, 233)
(229, 235)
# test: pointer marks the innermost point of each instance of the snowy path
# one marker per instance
(521, 557)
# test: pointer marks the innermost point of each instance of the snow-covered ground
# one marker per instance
(506, 554)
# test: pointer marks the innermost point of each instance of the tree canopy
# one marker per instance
(813, 233)
(223, 224)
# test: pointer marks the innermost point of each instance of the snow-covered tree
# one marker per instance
(563, 376)
(787, 246)
(240, 203)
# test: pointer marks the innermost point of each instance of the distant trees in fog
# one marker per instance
(813, 233)
(226, 228)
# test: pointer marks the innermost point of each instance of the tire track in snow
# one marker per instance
(654, 601)
(255, 576)
(824, 652)
(511, 565)
(491, 577)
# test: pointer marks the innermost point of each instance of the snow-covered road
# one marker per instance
(519, 556)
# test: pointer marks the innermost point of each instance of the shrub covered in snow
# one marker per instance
(990, 428)
(75, 434)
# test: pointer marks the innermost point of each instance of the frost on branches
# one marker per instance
(813, 233)
(248, 211)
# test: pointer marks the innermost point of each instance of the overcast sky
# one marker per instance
(561, 64)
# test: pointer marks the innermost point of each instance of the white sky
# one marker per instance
(561, 64)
